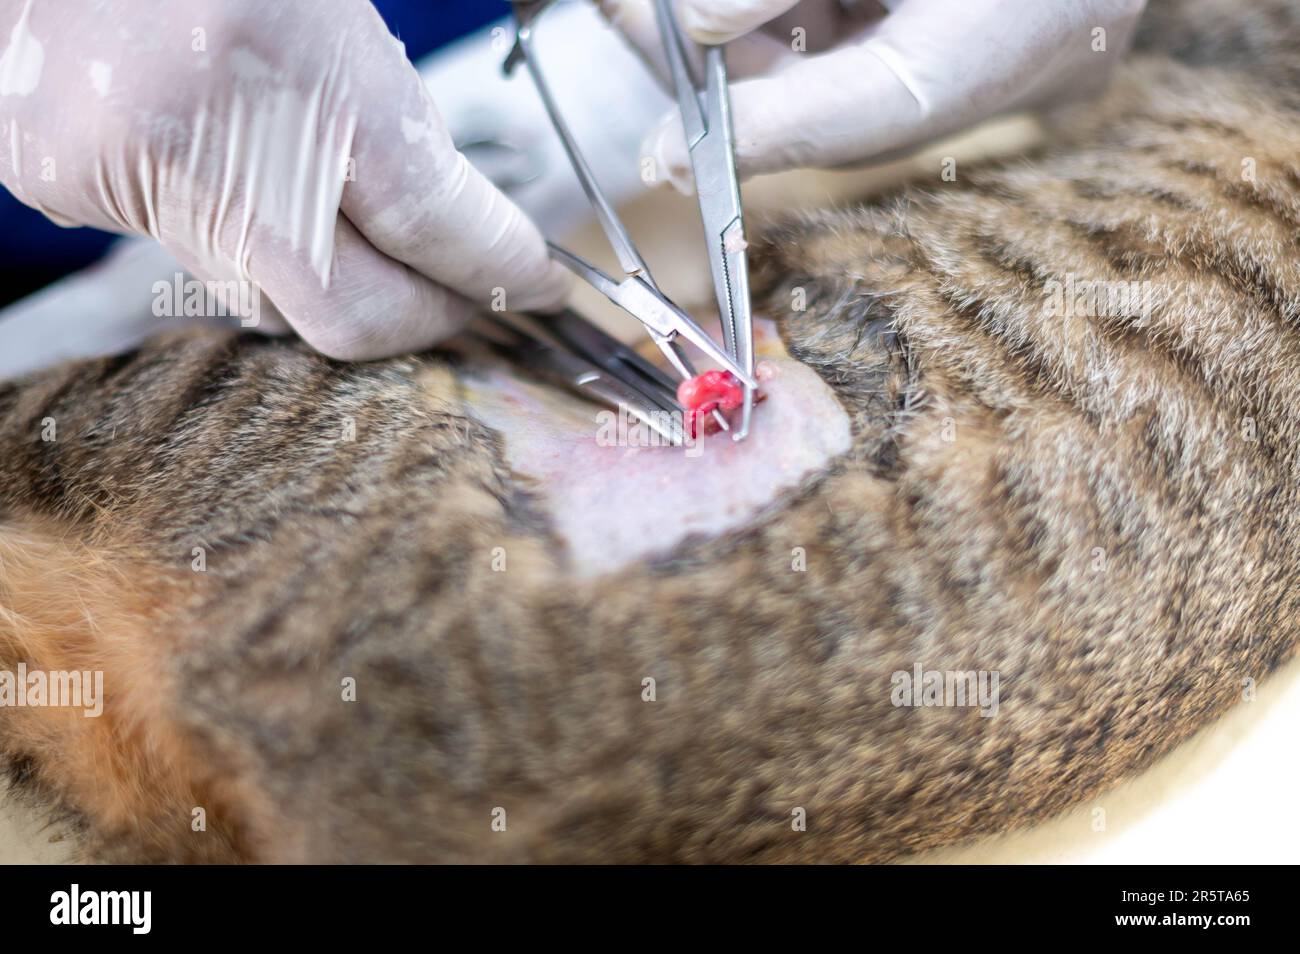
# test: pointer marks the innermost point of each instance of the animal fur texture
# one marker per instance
(1102, 508)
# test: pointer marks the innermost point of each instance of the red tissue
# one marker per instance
(709, 392)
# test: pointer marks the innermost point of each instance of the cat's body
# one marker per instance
(1101, 509)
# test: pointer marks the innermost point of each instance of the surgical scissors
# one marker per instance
(638, 293)
(706, 118)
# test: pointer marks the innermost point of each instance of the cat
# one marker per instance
(1069, 385)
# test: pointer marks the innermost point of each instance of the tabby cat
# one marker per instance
(379, 648)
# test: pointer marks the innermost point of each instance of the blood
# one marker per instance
(709, 392)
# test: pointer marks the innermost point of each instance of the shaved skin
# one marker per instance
(613, 503)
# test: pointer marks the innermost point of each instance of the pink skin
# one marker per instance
(613, 503)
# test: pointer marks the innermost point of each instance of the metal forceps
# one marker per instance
(571, 352)
(637, 294)
(706, 117)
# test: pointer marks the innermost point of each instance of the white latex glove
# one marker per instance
(609, 118)
(224, 129)
(876, 81)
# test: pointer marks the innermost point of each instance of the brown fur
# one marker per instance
(69, 606)
(1167, 445)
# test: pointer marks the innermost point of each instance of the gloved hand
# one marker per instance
(290, 144)
(872, 81)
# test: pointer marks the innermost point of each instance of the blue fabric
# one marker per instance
(33, 250)
(425, 25)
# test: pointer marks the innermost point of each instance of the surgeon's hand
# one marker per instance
(290, 144)
(872, 81)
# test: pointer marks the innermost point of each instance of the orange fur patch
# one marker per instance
(66, 605)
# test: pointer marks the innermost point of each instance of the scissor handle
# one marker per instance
(628, 257)
(684, 83)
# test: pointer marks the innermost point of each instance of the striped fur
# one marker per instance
(1101, 509)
